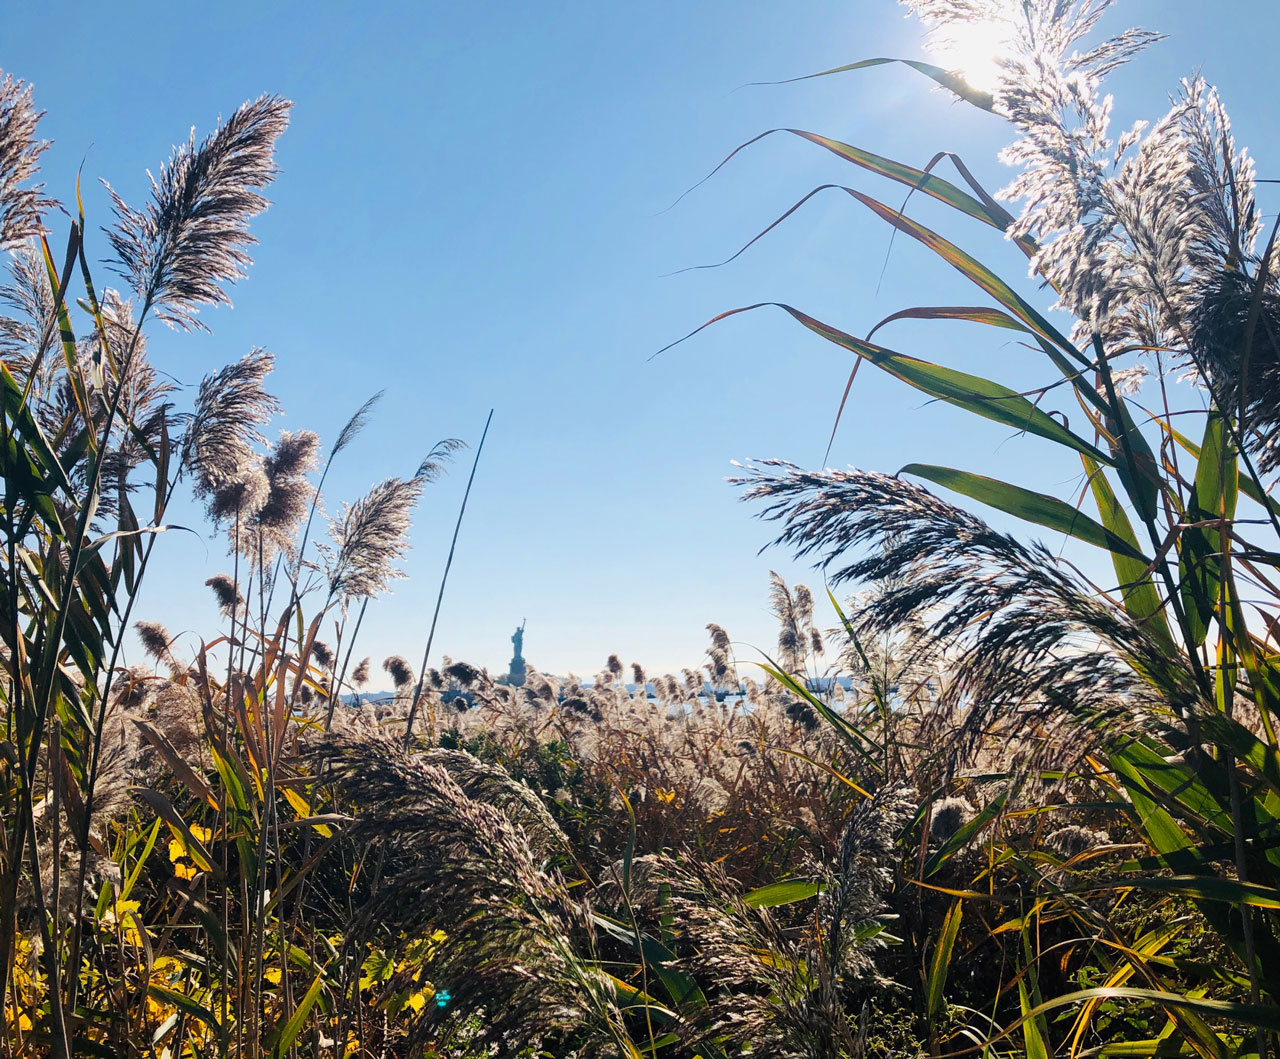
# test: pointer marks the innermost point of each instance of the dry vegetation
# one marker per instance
(994, 810)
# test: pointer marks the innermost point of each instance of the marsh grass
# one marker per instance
(995, 809)
(1160, 687)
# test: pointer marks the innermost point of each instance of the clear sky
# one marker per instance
(470, 215)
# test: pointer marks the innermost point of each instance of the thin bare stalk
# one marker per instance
(422, 671)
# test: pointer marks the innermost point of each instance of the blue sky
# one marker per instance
(471, 215)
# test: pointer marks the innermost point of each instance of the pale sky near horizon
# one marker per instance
(472, 213)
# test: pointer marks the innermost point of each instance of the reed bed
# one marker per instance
(970, 802)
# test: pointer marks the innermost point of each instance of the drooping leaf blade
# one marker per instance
(1040, 508)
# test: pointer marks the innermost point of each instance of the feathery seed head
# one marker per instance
(26, 338)
(193, 236)
(399, 669)
(463, 674)
(802, 714)
(947, 817)
(294, 455)
(20, 207)
(432, 465)
(218, 445)
(227, 594)
(240, 495)
(1072, 840)
(155, 640)
(1027, 645)
(355, 424)
(371, 535)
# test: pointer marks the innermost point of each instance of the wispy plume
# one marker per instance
(27, 337)
(370, 537)
(399, 669)
(433, 464)
(21, 203)
(1026, 642)
(157, 642)
(355, 424)
(241, 494)
(720, 666)
(218, 445)
(227, 594)
(275, 525)
(193, 236)
(1150, 234)
(519, 945)
(771, 1006)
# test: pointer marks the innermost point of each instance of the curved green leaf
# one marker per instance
(1213, 497)
(1201, 888)
(294, 1026)
(973, 393)
(786, 892)
(1040, 508)
(977, 314)
(941, 960)
(1137, 589)
(948, 79)
(970, 267)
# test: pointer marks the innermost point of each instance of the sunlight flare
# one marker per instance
(974, 50)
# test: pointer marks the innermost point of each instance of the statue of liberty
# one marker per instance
(516, 675)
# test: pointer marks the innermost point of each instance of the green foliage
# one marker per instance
(942, 853)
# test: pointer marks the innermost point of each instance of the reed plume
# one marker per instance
(227, 594)
(370, 537)
(433, 464)
(355, 424)
(157, 642)
(772, 1006)
(399, 669)
(518, 942)
(192, 237)
(25, 339)
(1025, 641)
(1150, 234)
(218, 444)
(21, 207)
(274, 526)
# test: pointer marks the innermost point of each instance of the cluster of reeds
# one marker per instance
(1151, 699)
(217, 852)
(107, 944)
(995, 809)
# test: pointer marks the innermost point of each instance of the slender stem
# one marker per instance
(95, 755)
(336, 689)
(422, 672)
(237, 610)
(52, 648)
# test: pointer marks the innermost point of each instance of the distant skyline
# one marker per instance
(472, 213)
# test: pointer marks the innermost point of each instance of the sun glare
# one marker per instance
(973, 50)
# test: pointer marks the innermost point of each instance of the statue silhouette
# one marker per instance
(516, 674)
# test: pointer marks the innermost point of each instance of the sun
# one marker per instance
(973, 50)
